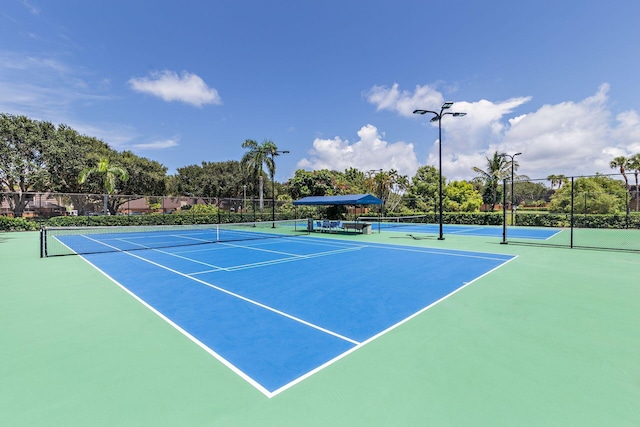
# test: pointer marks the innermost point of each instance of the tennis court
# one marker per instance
(418, 229)
(417, 226)
(524, 335)
(275, 310)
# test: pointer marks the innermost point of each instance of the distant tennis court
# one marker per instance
(416, 226)
(276, 310)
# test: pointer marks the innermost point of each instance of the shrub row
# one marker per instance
(17, 224)
(477, 218)
(579, 220)
(472, 218)
(157, 219)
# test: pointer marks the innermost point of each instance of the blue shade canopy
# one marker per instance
(351, 199)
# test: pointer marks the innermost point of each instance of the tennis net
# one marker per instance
(56, 241)
(397, 221)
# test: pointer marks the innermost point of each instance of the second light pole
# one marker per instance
(274, 153)
(438, 118)
(512, 178)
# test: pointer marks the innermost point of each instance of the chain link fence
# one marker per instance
(596, 211)
(94, 208)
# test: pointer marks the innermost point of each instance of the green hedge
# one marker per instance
(472, 218)
(157, 219)
(124, 220)
(17, 224)
(579, 220)
(476, 218)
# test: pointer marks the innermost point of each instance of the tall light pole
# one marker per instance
(274, 153)
(244, 201)
(438, 118)
(373, 173)
(512, 175)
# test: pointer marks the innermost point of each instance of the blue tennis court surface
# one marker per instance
(277, 310)
(469, 230)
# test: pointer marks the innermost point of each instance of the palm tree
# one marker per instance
(561, 180)
(557, 180)
(634, 164)
(254, 159)
(622, 163)
(109, 173)
(498, 168)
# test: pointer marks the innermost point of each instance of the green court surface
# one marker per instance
(552, 338)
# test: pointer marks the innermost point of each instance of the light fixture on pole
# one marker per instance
(438, 118)
(512, 179)
(274, 153)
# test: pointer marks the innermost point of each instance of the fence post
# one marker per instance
(572, 207)
(626, 201)
(504, 212)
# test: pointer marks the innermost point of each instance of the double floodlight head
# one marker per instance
(509, 155)
(438, 116)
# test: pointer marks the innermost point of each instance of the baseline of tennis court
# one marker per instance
(278, 310)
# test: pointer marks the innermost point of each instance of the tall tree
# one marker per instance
(109, 175)
(634, 164)
(257, 156)
(621, 163)
(461, 196)
(67, 158)
(596, 195)
(554, 179)
(389, 186)
(311, 183)
(497, 169)
(145, 176)
(355, 180)
(22, 165)
(211, 179)
(423, 190)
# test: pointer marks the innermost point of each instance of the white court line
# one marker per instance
(215, 268)
(233, 294)
(357, 345)
(462, 253)
(298, 258)
(195, 340)
(277, 261)
(379, 334)
(466, 230)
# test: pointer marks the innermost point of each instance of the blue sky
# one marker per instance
(333, 82)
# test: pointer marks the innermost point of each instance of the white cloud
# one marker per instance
(570, 138)
(565, 138)
(32, 9)
(156, 145)
(43, 87)
(169, 86)
(369, 152)
(403, 102)
(628, 131)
